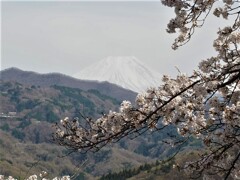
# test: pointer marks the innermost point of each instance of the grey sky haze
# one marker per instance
(65, 37)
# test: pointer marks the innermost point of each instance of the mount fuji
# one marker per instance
(125, 71)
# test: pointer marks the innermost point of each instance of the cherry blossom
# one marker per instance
(205, 105)
(42, 176)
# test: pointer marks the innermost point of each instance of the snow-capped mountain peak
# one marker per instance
(125, 71)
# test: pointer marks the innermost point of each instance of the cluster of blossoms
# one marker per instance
(192, 14)
(42, 176)
(205, 105)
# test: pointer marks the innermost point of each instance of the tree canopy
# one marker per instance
(205, 105)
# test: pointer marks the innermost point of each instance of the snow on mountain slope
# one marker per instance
(127, 72)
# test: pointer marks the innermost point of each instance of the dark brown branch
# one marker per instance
(232, 166)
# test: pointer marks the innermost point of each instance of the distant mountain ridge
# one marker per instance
(125, 71)
(46, 80)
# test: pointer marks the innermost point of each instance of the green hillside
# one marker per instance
(27, 114)
(171, 169)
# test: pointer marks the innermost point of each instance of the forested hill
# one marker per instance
(27, 114)
(50, 79)
(30, 104)
(51, 103)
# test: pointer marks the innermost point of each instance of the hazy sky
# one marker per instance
(68, 36)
